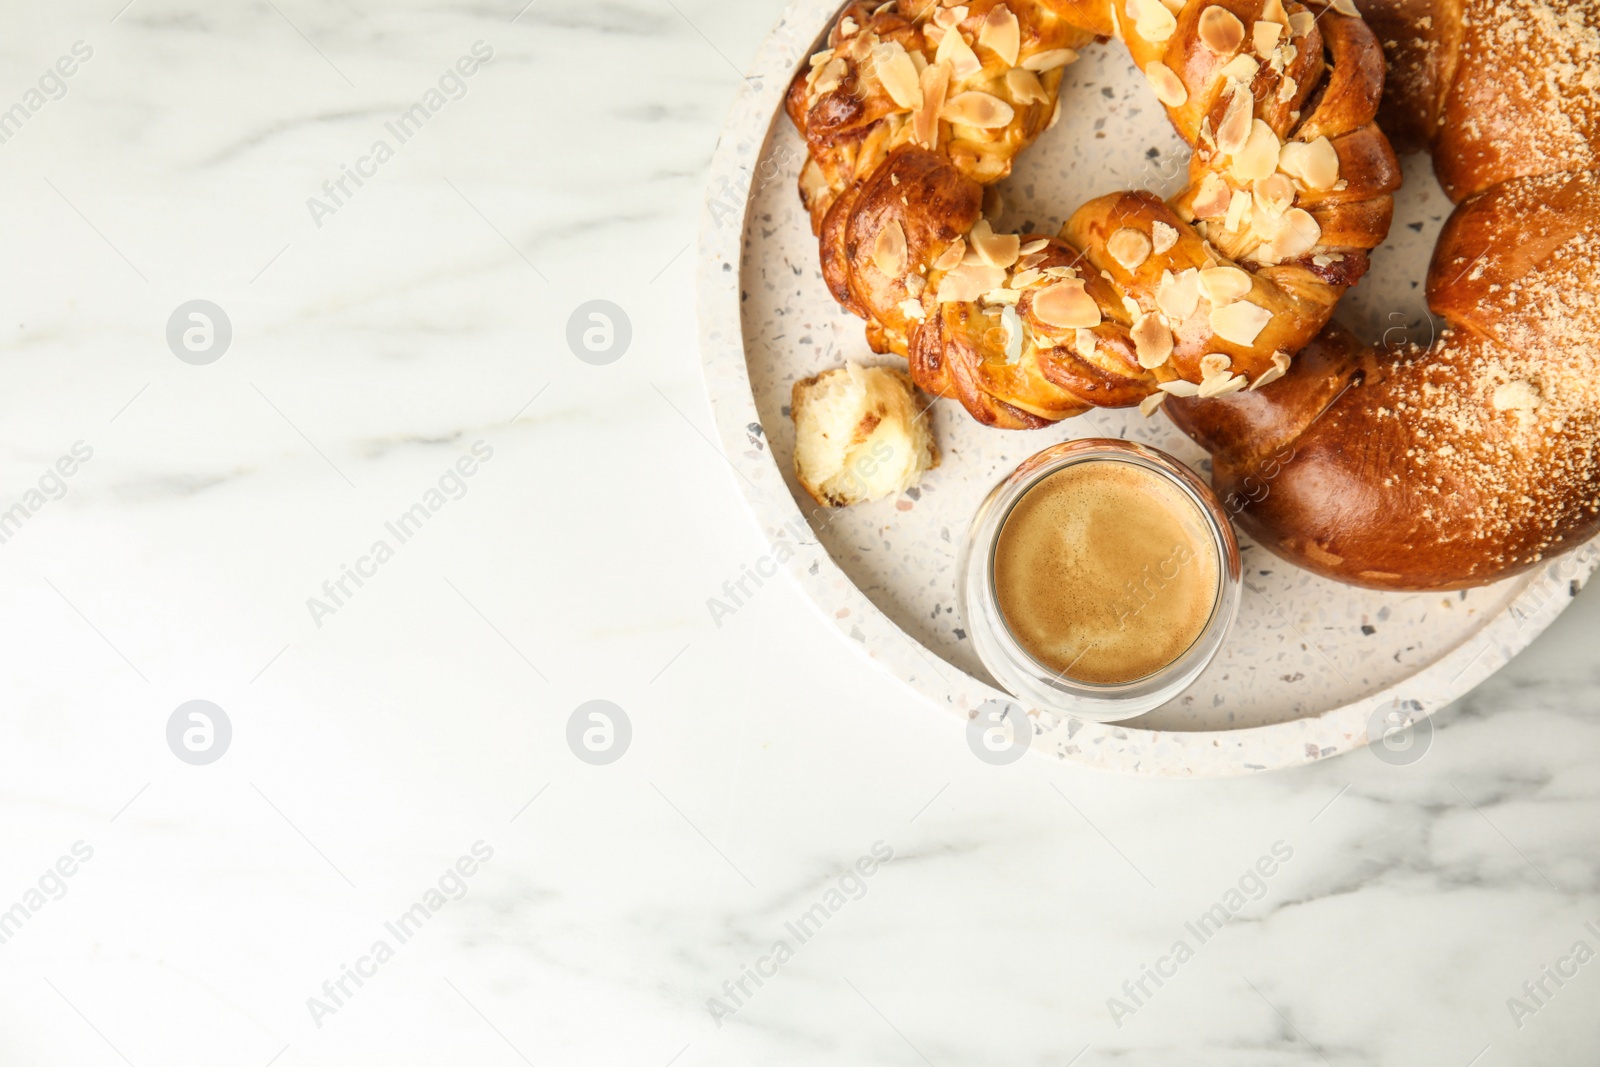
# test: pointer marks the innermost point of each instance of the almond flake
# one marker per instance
(967, 283)
(1147, 406)
(1316, 164)
(1238, 210)
(1347, 8)
(1066, 305)
(1130, 305)
(912, 309)
(1162, 237)
(1272, 11)
(898, 74)
(847, 27)
(1222, 385)
(1259, 157)
(1287, 90)
(994, 250)
(1213, 198)
(1264, 36)
(935, 84)
(1179, 387)
(1300, 23)
(1129, 247)
(948, 18)
(1001, 296)
(952, 256)
(1178, 294)
(1239, 323)
(1152, 20)
(889, 250)
(1215, 364)
(1152, 340)
(1280, 367)
(1169, 89)
(1038, 244)
(978, 109)
(1224, 285)
(1029, 262)
(1274, 195)
(954, 50)
(1001, 34)
(1083, 342)
(1041, 62)
(1220, 30)
(1025, 87)
(916, 284)
(1023, 279)
(1299, 234)
(1241, 68)
(1234, 129)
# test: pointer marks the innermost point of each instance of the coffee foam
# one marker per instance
(1106, 572)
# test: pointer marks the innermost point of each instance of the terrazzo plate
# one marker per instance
(1310, 667)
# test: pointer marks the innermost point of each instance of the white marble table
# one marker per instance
(378, 739)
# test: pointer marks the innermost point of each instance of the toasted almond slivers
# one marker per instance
(951, 258)
(1083, 342)
(1273, 11)
(1029, 262)
(889, 250)
(978, 109)
(1241, 68)
(1041, 62)
(1066, 305)
(1128, 247)
(1147, 406)
(935, 84)
(1214, 364)
(1213, 198)
(1259, 157)
(1025, 87)
(1001, 34)
(1178, 294)
(1234, 130)
(1169, 88)
(1274, 195)
(1152, 340)
(1024, 278)
(1179, 387)
(994, 249)
(1152, 20)
(1038, 244)
(1280, 367)
(1001, 296)
(1264, 36)
(1298, 235)
(1300, 23)
(1162, 237)
(955, 50)
(1316, 163)
(1222, 385)
(1220, 30)
(968, 282)
(1240, 322)
(898, 74)
(1224, 285)
(1238, 210)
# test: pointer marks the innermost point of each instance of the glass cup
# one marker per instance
(1013, 667)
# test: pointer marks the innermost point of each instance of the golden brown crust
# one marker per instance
(914, 107)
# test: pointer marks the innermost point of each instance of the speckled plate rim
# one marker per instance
(1545, 592)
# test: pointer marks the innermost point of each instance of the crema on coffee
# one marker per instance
(1105, 572)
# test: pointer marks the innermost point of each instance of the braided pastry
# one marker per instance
(915, 106)
(1424, 468)
(1475, 457)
